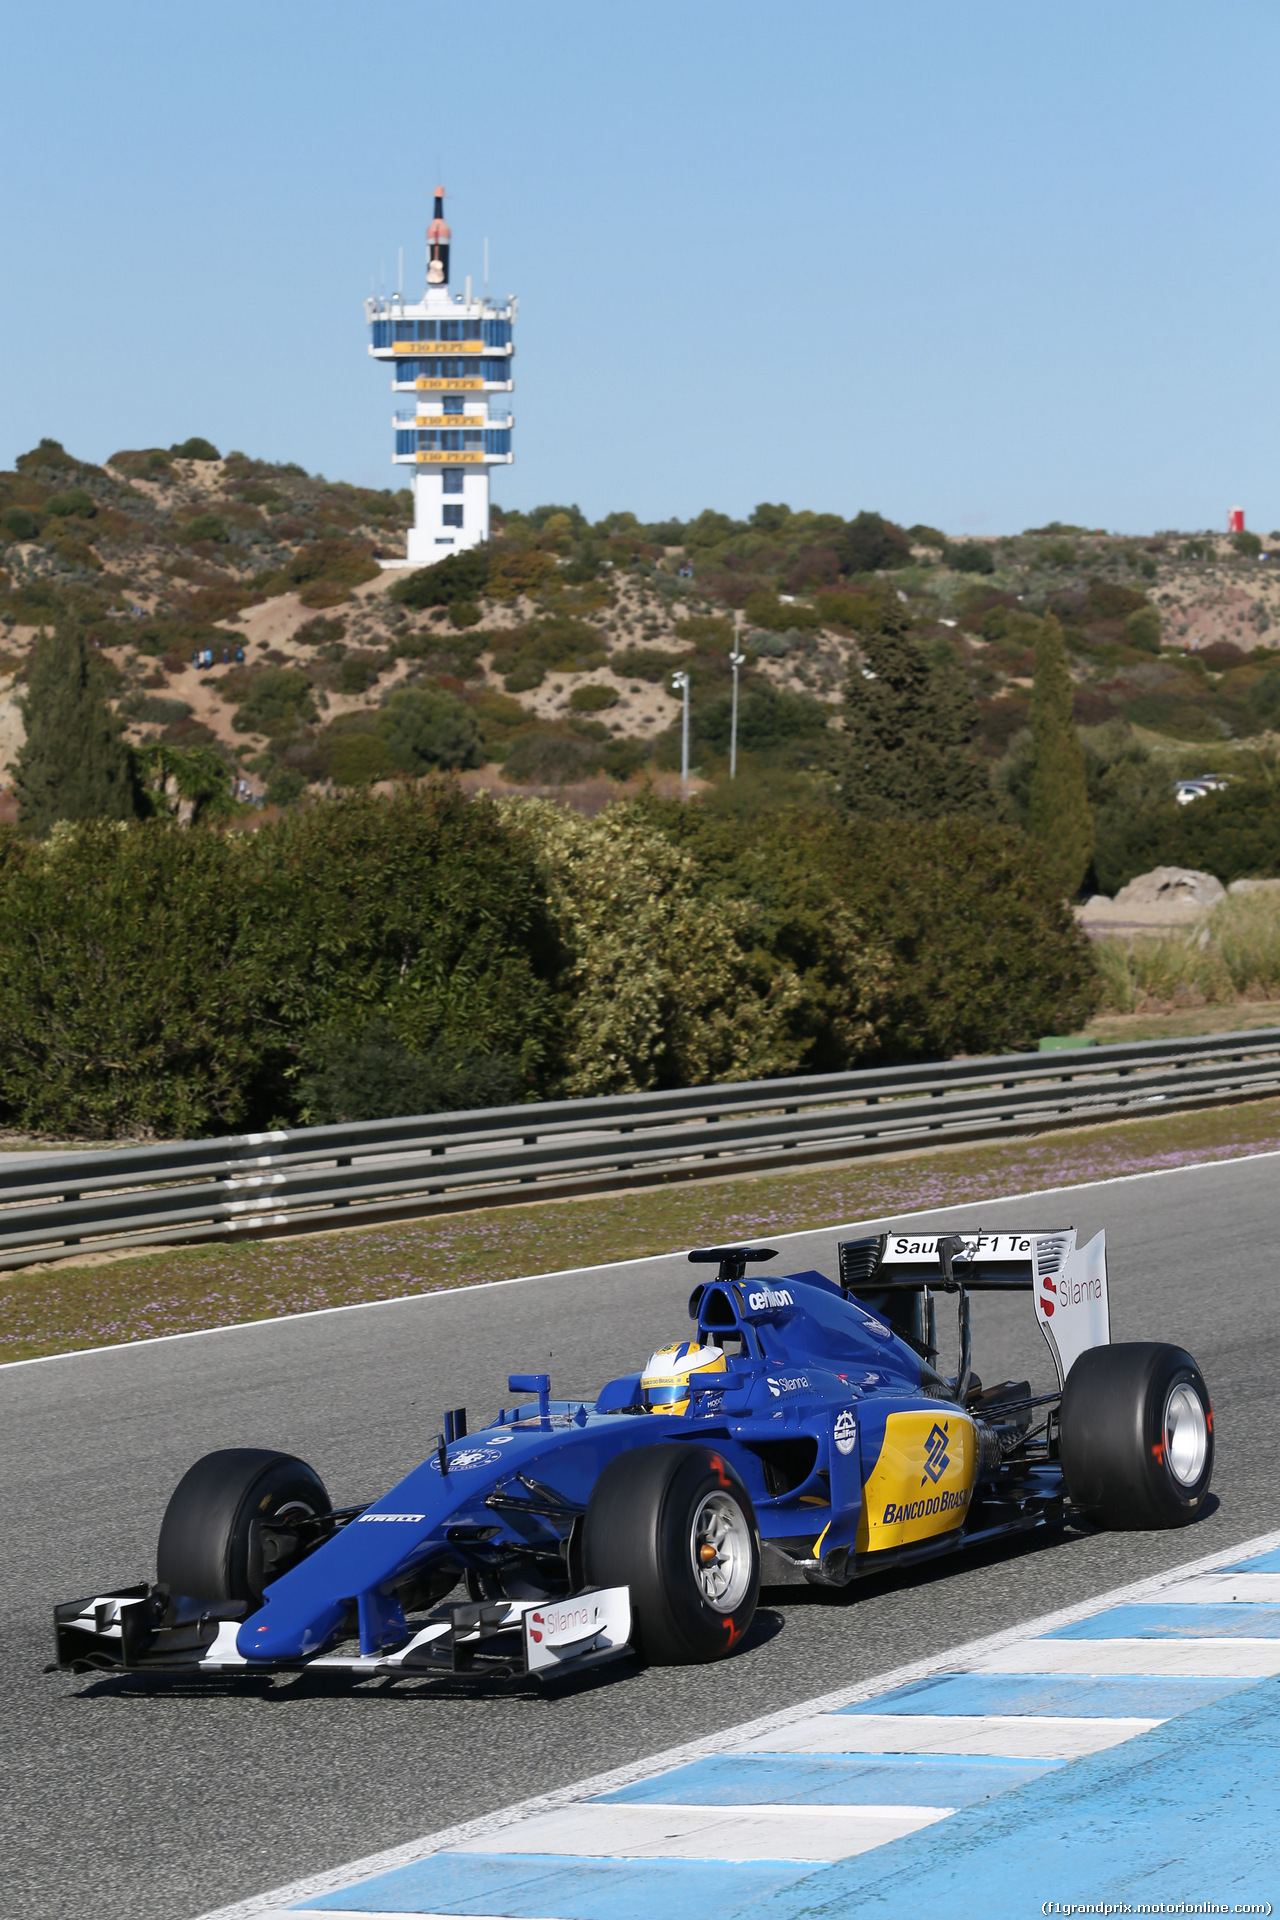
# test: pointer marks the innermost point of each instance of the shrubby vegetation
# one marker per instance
(168, 982)
(1233, 954)
(437, 950)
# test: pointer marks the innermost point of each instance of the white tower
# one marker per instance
(452, 352)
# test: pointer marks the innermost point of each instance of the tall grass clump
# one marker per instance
(1232, 954)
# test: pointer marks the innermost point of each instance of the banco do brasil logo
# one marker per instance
(936, 1457)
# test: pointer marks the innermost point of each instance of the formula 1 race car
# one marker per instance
(804, 1426)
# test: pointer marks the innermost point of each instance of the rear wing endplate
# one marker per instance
(1068, 1283)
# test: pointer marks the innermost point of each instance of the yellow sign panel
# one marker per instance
(440, 346)
(452, 422)
(923, 1481)
(437, 386)
(450, 459)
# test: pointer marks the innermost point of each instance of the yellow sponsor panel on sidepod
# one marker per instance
(922, 1483)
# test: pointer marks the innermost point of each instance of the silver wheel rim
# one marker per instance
(1186, 1434)
(720, 1550)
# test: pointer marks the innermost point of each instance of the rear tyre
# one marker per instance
(1137, 1436)
(676, 1525)
(211, 1547)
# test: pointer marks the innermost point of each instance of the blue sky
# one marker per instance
(980, 266)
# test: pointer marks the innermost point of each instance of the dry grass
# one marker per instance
(1230, 956)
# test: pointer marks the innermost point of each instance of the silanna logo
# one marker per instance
(766, 1297)
(794, 1384)
(936, 1457)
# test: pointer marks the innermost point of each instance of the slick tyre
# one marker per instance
(1137, 1436)
(676, 1525)
(210, 1544)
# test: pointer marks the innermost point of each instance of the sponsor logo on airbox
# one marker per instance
(766, 1297)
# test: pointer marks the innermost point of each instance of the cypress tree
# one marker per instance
(1059, 816)
(74, 765)
(908, 724)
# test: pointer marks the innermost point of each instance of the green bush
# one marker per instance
(278, 702)
(77, 504)
(1143, 628)
(127, 1005)
(195, 449)
(550, 759)
(776, 616)
(155, 980)
(770, 719)
(1264, 696)
(376, 1077)
(358, 758)
(424, 727)
(206, 526)
(646, 663)
(972, 556)
(985, 955)
(663, 984)
(810, 951)
(1247, 544)
(20, 524)
(462, 576)
(871, 544)
(148, 463)
(285, 785)
(558, 643)
(323, 571)
(357, 673)
(593, 698)
(1234, 833)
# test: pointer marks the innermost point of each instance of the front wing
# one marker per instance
(144, 1629)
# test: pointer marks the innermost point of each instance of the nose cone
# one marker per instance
(279, 1631)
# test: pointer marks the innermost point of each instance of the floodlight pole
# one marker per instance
(680, 684)
(736, 658)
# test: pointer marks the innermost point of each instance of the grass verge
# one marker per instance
(59, 1309)
(1182, 1023)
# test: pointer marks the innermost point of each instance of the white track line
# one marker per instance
(1006, 1736)
(956, 1659)
(608, 1266)
(665, 1832)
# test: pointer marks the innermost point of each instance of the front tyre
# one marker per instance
(676, 1525)
(1137, 1436)
(211, 1543)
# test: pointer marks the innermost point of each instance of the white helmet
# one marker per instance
(665, 1381)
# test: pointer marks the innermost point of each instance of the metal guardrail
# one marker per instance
(62, 1205)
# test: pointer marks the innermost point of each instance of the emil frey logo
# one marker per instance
(937, 1459)
(846, 1431)
(767, 1297)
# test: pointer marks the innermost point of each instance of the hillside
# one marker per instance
(239, 606)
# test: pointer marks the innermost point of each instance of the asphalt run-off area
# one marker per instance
(1078, 1720)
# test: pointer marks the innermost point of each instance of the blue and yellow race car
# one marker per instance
(803, 1425)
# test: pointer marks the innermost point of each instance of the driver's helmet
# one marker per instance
(664, 1383)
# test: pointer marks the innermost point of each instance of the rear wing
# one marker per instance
(1068, 1283)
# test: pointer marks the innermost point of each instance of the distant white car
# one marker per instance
(1185, 791)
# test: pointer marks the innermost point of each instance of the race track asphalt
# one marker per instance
(128, 1799)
